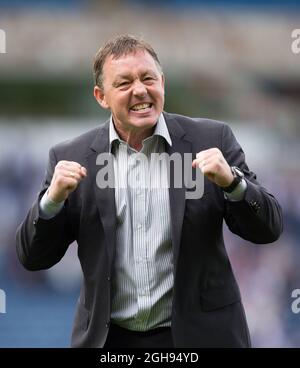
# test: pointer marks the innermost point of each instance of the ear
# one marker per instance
(100, 97)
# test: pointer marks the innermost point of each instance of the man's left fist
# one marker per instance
(214, 166)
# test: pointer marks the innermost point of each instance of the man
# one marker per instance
(155, 269)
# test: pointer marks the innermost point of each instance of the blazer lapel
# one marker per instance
(105, 198)
(176, 195)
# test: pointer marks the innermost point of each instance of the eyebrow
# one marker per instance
(128, 76)
(121, 77)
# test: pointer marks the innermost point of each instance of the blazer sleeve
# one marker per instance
(258, 217)
(42, 243)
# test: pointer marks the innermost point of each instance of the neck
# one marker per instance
(134, 137)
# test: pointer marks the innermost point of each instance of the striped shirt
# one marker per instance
(143, 271)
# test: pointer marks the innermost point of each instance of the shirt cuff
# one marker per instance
(49, 208)
(238, 193)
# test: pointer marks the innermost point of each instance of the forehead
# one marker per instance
(136, 62)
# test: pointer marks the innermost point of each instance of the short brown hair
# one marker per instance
(117, 47)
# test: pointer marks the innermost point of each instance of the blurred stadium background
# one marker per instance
(228, 60)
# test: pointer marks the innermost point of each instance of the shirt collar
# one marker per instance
(161, 129)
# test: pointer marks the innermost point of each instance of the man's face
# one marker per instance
(133, 89)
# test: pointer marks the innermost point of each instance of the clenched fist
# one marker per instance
(67, 175)
(214, 166)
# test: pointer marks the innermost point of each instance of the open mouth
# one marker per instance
(141, 107)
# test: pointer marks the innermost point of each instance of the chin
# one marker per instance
(144, 123)
(140, 121)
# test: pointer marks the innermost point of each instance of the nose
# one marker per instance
(139, 89)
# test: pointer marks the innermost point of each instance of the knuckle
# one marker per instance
(75, 164)
(217, 166)
(60, 163)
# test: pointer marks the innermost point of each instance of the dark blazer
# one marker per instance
(207, 309)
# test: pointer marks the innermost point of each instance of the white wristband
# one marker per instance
(49, 208)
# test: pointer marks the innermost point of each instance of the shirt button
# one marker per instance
(107, 324)
(34, 222)
(139, 226)
(108, 278)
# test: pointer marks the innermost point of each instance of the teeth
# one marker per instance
(140, 106)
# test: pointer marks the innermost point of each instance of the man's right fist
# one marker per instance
(67, 175)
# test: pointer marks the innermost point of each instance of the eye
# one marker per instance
(123, 84)
(149, 80)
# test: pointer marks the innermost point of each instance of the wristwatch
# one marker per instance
(238, 176)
